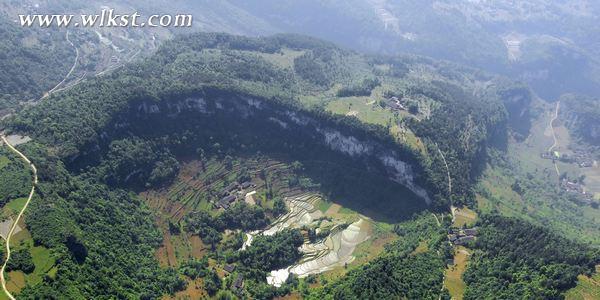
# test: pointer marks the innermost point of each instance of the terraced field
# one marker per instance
(333, 251)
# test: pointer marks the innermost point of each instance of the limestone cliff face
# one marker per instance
(346, 144)
(242, 108)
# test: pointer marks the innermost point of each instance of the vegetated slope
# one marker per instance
(219, 94)
(402, 272)
(581, 114)
(465, 111)
(15, 177)
(552, 46)
(32, 61)
(102, 238)
(515, 259)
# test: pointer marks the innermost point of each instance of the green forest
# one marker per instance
(31, 62)
(218, 65)
(514, 259)
(220, 98)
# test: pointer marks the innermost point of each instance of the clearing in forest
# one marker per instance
(453, 277)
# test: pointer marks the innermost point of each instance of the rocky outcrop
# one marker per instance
(331, 135)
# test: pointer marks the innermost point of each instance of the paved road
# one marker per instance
(12, 229)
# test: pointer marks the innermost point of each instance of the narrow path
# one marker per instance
(448, 172)
(437, 220)
(452, 208)
(14, 225)
(70, 71)
(552, 126)
(554, 136)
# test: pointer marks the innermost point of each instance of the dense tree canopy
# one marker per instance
(518, 260)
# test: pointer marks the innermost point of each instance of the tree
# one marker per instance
(279, 207)
(212, 282)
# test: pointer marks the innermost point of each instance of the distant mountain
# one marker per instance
(551, 45)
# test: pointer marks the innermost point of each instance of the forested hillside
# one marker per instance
(102, 238)
(404, 271)
(552, 46)
(582, 116)
(194, 66)
(518, 260)
(31, 62)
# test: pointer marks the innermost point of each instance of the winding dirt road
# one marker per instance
(14, 225)
(70, 71)
(554, 136)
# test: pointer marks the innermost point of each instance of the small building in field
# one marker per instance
(229, 268)
(238, 283)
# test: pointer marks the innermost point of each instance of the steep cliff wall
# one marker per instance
(299, 126)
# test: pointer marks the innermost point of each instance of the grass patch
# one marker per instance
(323, 205)
(375, 245)
(421, 248)
(464, 217)
(4, 161)
(16, 205)
(346, 211)
(42, 259)
(587, 288)
(52, 272)
(453, 277)
(21, 238)
(365, 109)
(15, 282)
(284, 59)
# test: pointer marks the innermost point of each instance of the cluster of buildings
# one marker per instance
(459, 237)
(238, 283)
(577, 188)
(235, 191)
(579, 157)
(582, 159)
(396, 104)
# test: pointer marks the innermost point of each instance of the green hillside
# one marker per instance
(317, 145)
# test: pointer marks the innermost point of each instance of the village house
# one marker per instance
(247, 184)
(452, 237)
(395, 104)
(573, 187)
(226, 201)
(229, 268)
(238, 283)
(470, 231)
(464, 240)
(228, 189)
(461, 236)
